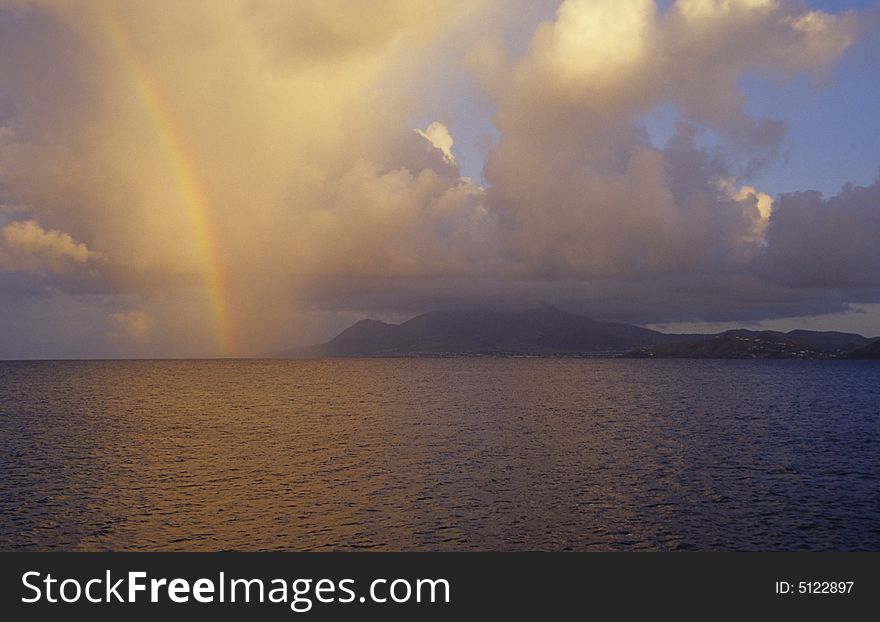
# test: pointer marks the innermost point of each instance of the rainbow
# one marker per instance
(192, 194)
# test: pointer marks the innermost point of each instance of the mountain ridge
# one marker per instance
(548, 331)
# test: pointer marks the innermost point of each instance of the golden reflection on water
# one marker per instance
(438, 454)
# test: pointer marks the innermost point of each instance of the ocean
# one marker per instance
(450, 454)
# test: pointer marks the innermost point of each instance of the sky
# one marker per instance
(208, 179)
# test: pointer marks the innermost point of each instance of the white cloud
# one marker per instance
(27, 246)
(438, 135)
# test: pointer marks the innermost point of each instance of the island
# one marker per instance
(548, 331)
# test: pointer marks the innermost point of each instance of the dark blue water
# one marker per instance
(443, 454)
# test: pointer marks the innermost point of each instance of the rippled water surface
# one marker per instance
(440, 454)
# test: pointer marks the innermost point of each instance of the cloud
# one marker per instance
(263, 154)
(28, 247)
(826, 243)
(583, 191)
(438, 135)
(327, 30)
(133, 325)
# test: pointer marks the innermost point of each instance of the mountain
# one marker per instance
(544, 331)
(829, 341)
(748, 344)
(551, 332)
(870, 351)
